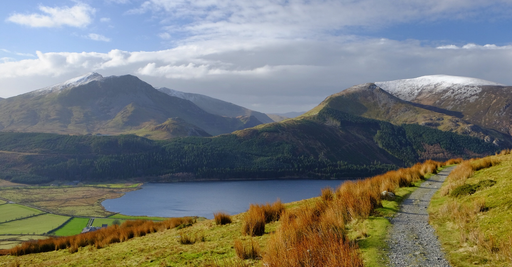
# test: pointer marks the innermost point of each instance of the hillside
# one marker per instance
(331, 144)
(483, 103)
(217, 106)
(371, 101)
(113, 105)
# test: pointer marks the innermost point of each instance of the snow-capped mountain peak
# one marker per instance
(74, 82)
(410, 89)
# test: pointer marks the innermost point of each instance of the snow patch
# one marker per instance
(172, 92)
(74, 82)
(450, 86)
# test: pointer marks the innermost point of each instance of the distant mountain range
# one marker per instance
(363, 130)
(93, 104)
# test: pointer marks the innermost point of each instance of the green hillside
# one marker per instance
(331, 144)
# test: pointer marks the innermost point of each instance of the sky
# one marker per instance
(272, 56)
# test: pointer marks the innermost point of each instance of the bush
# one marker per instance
(469, 189)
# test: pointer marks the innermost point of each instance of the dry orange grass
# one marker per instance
(249, 251)
(221, 218)
(315, 235)
(99, 238)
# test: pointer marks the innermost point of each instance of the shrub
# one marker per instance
(463, 190)
(221, 218)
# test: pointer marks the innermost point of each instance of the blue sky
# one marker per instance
(267, 55)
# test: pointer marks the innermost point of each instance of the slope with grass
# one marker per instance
(9, 212)
(473, 224)
(36, 225)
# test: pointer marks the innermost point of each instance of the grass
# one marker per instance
(2, 202)
(10, 212)
(76, 201)
(9, 241)
(73, 227)
(475, 228)
(221, 218)
(35, 225)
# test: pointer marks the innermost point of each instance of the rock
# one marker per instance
(387, 195)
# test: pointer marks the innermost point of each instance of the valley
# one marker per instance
(71, 146)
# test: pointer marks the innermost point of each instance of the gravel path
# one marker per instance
(412, 241)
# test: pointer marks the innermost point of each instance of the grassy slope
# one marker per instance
(471, 236)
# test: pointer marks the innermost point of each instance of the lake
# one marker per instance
(204, 198)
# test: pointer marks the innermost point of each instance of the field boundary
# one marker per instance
(28, 217)
(59, 227)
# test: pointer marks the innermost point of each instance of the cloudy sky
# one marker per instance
(267, 55)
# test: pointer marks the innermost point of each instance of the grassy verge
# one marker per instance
(73, 227)
(34, 225)
(371, 234)
(474, 228)
(11, 212)
(128, 217)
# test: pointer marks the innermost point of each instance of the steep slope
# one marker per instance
(370, 101)
(93, 104)
(216, 106)
(484, 103)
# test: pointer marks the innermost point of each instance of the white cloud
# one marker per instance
(17, 53)
(210, 19)
(79, 15)
(105, 19)
(165, 36)
(98, 37)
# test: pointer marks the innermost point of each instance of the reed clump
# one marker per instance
(258, 215)
(251, 250)
(99, 238)
(222, 218)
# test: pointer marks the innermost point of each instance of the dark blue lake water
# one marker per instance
(205, 198)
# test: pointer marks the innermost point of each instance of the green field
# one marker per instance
(9, 241)
(36, 225)
(73, 227)
(10, 212)
(99, 221)
(127, 217)
(2, 202)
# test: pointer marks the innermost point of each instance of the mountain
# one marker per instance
(283, 116)
(483, 103)
(93, 104)
(216, 106)
(371, 101)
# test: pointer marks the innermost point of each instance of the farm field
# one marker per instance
(2, 202)
(9, 241)
(35, 225)
(9, 212)
(73, 227)
(77, 201)
(98, 222)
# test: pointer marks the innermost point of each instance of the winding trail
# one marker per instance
(412, 241)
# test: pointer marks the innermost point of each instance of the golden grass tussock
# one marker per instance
(315, 235)
(251, 250)
(258, 215)
(222, 218)
(99, 238)
(254, 221)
